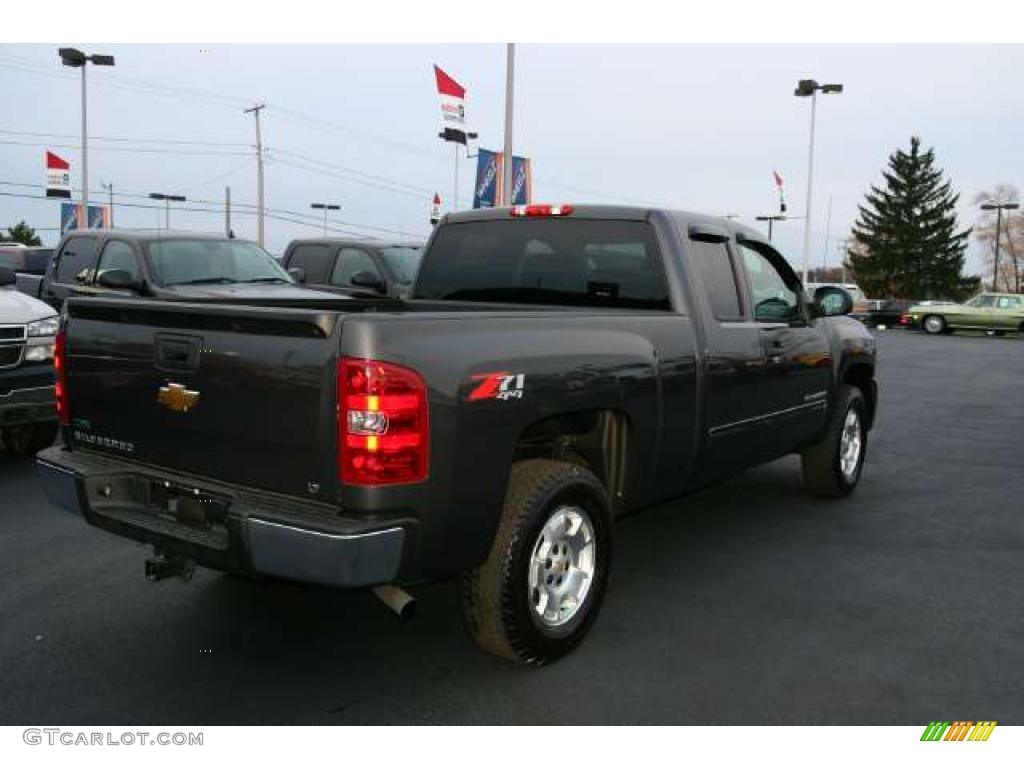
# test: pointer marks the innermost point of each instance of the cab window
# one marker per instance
(313, 260)
(716, 269)
(1008, 302)
(773, 285)
(118, 255)
(77, 258)
(352, 261)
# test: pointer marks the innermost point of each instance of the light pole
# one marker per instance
(453, 137)
(810, 88)
(168, 199)
(998, 208)
(325, 207)
(510, 71)
(771, 218)
(72, 57)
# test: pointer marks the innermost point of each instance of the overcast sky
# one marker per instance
(697, 127)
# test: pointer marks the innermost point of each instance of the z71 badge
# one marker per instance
(498, 386)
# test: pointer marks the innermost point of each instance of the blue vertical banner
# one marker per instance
(490, 170)
(71, 217)
(488, 179)
(521, 181)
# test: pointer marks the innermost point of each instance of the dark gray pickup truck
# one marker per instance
(555, 367)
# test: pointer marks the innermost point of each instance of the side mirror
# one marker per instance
(118, 279)
(830, 301)
(368, 280)
(7, 277)
(298, 274)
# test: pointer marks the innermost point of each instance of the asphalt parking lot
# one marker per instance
(747, 603)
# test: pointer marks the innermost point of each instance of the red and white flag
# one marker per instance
(435, 209)
(781, 186)
(58, 176)
(453, 106)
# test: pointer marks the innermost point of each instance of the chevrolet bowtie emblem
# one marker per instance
(177, 398)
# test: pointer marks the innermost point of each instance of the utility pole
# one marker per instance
(506, 178)
(259, 172)
(227, 211)
(828, 228)
(998, 208)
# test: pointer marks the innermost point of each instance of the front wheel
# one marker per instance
(934, 324)
(832, 467)
(538, 593)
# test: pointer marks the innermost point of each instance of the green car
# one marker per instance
(996, 312)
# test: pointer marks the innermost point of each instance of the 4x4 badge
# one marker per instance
(177, 398)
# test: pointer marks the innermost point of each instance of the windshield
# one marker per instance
(404, 262)
(981, 300)
(185, 262)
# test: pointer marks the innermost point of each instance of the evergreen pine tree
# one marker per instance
(905, 242)
(21, 233)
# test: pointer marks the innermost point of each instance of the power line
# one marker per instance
(137, 150)
(127, 139)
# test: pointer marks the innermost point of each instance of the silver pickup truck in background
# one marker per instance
(28, 327)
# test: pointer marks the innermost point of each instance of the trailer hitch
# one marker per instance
(162, 566)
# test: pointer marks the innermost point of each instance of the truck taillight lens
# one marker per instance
(383, 425)
(60, 388)
(541, 210)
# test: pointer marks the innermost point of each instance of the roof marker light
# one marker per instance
(541, 210)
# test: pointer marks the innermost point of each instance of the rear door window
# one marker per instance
(561, 261)
(77, 259)
(719, 276)
(312, 259)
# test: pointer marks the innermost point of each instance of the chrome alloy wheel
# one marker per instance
(562, 566)
(933, 324)
(851, 443)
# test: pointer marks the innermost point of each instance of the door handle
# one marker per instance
(175, 352)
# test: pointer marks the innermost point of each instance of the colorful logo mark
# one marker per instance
(960, 730)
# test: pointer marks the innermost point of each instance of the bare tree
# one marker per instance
(1011, 237)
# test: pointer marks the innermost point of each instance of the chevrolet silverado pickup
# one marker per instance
(553, 368)
(28, 330)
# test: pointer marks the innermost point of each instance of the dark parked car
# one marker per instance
(357, 267)
(31, 260)
(554, 368)
(159, 264)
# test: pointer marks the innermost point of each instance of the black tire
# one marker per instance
(821, 463)
(937, 324)
(497, 607)
(29, 439)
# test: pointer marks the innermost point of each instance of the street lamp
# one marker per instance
(998, 208)
(771, 219)
(168, 199)
(72, 57)
(325, 207)
(810, 88)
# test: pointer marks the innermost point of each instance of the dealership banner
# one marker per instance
(453, 106)
(490, 174)
(58, 176)
(71, 217)
(487, 190)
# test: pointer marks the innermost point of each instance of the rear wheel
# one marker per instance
(833, 466)
(28, 439)
(538, 593)
(934, 324)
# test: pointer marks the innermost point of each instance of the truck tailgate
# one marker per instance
(243, 394)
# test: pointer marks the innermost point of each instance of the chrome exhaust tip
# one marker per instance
(401, 603)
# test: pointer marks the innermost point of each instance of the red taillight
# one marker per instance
(60, 389)
(383, 427)
(904, 319)
(541, 210)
